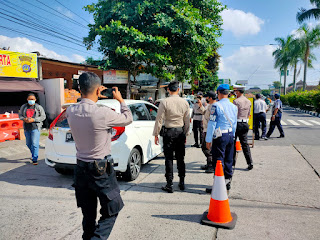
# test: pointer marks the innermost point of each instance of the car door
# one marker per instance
(152, 110)
(141, 124)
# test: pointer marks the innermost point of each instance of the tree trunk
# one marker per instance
(285, 82)
(157, 91)
(128, 87)
(305, 74)
(294, 77)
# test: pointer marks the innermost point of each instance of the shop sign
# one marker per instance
(115, 77)
(16, 64)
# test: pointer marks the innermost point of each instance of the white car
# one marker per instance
(131, 146)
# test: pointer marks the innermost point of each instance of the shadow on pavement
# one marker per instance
(187, 218)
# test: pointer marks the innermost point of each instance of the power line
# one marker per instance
(47, 41)
(61, 14)
(72, 11)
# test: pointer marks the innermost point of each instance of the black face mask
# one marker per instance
(207, 101)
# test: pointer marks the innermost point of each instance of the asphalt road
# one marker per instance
(278, 199)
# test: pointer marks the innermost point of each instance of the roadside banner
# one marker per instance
(16, 64)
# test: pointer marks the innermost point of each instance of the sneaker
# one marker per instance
(264, 138)
(167, 188)
(204, 167)
(250, 166)
(35, 162)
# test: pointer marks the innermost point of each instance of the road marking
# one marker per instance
(283, 123)
(305, 122)
(315, 122)
(293, 122)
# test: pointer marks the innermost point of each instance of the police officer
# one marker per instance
(221, 131)
(260, 110)
(244, 105)
(174, 112)
(197, 116)
(94, 174)
(211, 98)
(276, 117)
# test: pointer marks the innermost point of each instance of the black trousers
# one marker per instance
(242, 134)
(222, 149)
(206, 151)
(90, 186)
(273, 124)
(174, 143)
(260, 118)
(197, 129)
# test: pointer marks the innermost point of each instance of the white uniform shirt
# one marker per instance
(260, 106)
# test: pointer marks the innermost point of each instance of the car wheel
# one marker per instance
(64, 171)
(134, 165)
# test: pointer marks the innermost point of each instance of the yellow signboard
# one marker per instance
(16, 64)
(251, 112)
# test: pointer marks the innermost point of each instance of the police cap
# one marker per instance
(223, 87)
(238, 87)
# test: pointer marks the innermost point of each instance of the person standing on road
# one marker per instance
(260, 110)
(221, 131)
(94, 174)
(174, 112)
(32, 115)
(211, 98)
(276, 117)
(244, 106)
(197, 116)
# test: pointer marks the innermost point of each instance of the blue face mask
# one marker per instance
(31, 102)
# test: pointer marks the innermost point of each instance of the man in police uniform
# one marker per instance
(211, 98)
(221, 131)
(244, 105)
(276, 117)
(174, 112)
(94, 174)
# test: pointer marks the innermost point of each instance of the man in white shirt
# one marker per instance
(260, 110)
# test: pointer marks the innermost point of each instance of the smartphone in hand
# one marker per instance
(108, 92)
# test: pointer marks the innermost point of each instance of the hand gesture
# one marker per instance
(117, 95)
(101, 88)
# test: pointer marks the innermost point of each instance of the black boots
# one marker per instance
(168, 188)
(181, 184)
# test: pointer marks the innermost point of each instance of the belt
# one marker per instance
(227, 130)
(83, 163)
(197, 114)
(177, 128)
(243, 120)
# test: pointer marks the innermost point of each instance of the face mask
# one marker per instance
(207, 100)
(31, 102)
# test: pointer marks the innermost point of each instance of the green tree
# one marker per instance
(309, 39)
(304, 14)
(265, 92)
(166, 38)
(296, 54)
(277, 84)
(282, 56)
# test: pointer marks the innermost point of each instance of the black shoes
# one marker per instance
(208, 190)
(250, 167)
(228, 183)
(204, 167)
(195, 145)
(167, 188)
(281, 136)
(181, 184)
(265, 138)
(209, 170)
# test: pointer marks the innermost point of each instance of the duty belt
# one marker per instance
(197, 114)
(227, 130)
(243, 120)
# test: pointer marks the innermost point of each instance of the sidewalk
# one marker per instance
(278, 199)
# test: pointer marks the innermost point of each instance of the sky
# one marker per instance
(250, 26)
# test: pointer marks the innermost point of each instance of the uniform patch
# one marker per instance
(213, 117)
(213, 109)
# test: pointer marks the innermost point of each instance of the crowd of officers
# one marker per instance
(216, 124)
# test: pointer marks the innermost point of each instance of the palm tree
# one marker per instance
(296, 55)
(282, 56)
(304, 14)
(310, 39)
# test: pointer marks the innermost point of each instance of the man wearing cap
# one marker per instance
(211, 98)
(174, 112)
(244, 105)
(260, 110)
(276, 117)
(221, 131)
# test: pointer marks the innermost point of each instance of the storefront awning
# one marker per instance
(23, 85)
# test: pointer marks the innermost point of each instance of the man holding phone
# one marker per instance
(94, 174)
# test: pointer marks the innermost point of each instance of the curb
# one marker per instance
(315, 114)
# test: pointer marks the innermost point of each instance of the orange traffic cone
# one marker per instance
(238, 146)
(219, 214)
